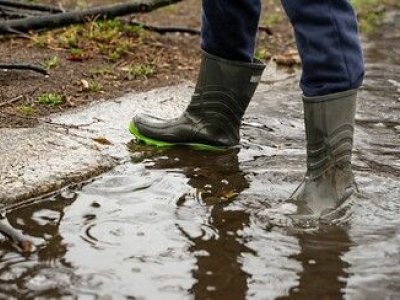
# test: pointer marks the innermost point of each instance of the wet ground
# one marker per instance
(183, 224)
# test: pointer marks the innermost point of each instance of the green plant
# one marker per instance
(141, 70)
(50, 63)
(69, 38)
(114, 56)
(50, 99)
(72, 42)
(362, 4)
(137, 29)
(105, 31)
(39, 41)
(76, 52)
(25, 110)
(102, 71)
(369, 23)
(261, 53)
(272, 19)
(370, 13)
(95, 87)
(82, 4)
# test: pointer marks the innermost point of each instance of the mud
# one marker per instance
(181, 224)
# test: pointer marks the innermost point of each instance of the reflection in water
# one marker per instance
(219, 256)
(323, 275)
(218, 274)
(215, 176)
(41, 222)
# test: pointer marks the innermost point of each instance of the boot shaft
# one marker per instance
(225, 86)
(329, 122)
(222, 94)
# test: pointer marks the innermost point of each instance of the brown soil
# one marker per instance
(173, 57)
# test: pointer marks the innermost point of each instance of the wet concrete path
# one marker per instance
(167, 224)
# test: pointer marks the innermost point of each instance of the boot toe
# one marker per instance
(144, 120)
(149, 125)
(159, 129)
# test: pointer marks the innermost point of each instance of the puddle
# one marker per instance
(183, 224)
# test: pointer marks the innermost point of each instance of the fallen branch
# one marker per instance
(76, 17)
(16, 13)
(24, 67)
(17, 240)
(31, 6)
(12, 14)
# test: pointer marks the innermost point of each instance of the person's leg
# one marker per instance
(330, 49)
(328, 44)
(229, 28)
(227, 80)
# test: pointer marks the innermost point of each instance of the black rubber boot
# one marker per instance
(329, 180)
(212, 119)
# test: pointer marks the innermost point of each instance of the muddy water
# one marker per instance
(183, 224)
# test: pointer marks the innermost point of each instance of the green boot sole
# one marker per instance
(161, 144)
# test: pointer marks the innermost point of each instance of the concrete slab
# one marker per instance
(36, 161)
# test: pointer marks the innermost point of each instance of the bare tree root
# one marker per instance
(13, 13)
(165, 29)
(30, 6)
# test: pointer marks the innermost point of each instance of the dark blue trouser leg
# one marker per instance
(229, 28)
(326, 34)
(328, 43)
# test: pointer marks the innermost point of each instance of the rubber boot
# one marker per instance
(212, 120)
(329, 180)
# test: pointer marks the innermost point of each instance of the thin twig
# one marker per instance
(165, 29)
(7, 113)
(46, 120)
(179, 29)
(265, 29)
(67, 126)
(17, 240)
(11, 101)
(30, 67)
(61, 7)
